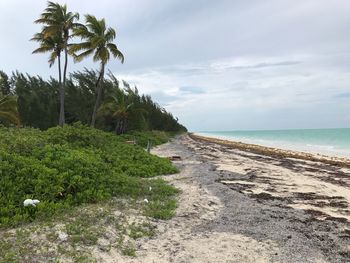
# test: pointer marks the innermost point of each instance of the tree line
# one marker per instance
(123, 108)
(80, 96)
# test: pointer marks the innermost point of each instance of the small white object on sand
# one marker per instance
(62, 236)
(32, 202)
(145, 200)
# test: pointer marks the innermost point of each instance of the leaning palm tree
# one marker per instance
(97, 41)
(8, 109)
(58, 24)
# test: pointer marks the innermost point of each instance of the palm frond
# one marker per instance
(115, 52)
(53, 30)
(8, 109)
(81, 56)
(52, 58)
(42, 49)
(75, 47)
(110, 34)
(102, 55)
(44, 20)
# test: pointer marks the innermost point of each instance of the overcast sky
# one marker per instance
(216, 65)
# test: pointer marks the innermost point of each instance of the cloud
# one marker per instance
(215, 64)
(229, 65)
(284, 95)
(191, 90)
(344, 95)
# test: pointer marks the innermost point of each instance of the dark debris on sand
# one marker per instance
(301, 236)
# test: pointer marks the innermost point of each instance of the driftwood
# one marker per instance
(174, 158)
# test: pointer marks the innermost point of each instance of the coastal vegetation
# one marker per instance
(87, 181)
(73, 165)
(77, 144)
(58, 25)
(122, 105)
(8, 109)
(97, 42)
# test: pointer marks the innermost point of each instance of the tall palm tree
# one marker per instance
(54, 45)
(58, 24)
(97, 42)
(8, 109)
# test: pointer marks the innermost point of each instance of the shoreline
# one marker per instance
(275, 152)
(233, 206)
(266, 209)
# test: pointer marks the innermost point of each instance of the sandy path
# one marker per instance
(178, 242)
(242, 207)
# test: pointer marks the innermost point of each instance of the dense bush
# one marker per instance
(63, 167)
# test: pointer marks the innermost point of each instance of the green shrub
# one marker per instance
(64, 167)
(142, 138)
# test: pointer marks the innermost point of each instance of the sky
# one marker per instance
(216, 65)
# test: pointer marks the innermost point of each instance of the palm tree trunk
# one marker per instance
(99, 85)
(61, 91)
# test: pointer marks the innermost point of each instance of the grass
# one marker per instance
(161, 209)
(116, 224)
(141, 230)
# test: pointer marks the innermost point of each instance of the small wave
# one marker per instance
(332, 150)
(320, 146)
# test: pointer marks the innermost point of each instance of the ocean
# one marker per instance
(332, 142)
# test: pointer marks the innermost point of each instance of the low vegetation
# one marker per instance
(73, 165)
(80, 235)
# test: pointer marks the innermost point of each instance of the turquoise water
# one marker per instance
(334, 142)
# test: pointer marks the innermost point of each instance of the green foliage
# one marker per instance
(38, 103)
(64, 167)
(142, 138)
(97, 40)
(8, 109)
(58, 24)
(161, 209)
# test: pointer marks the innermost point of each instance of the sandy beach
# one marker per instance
(239, 206)
(237, 203)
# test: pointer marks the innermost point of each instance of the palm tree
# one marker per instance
(58, 24)
(122, 107)
(119, 110)
(97, 41)
(8, 109)
(54, 45)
